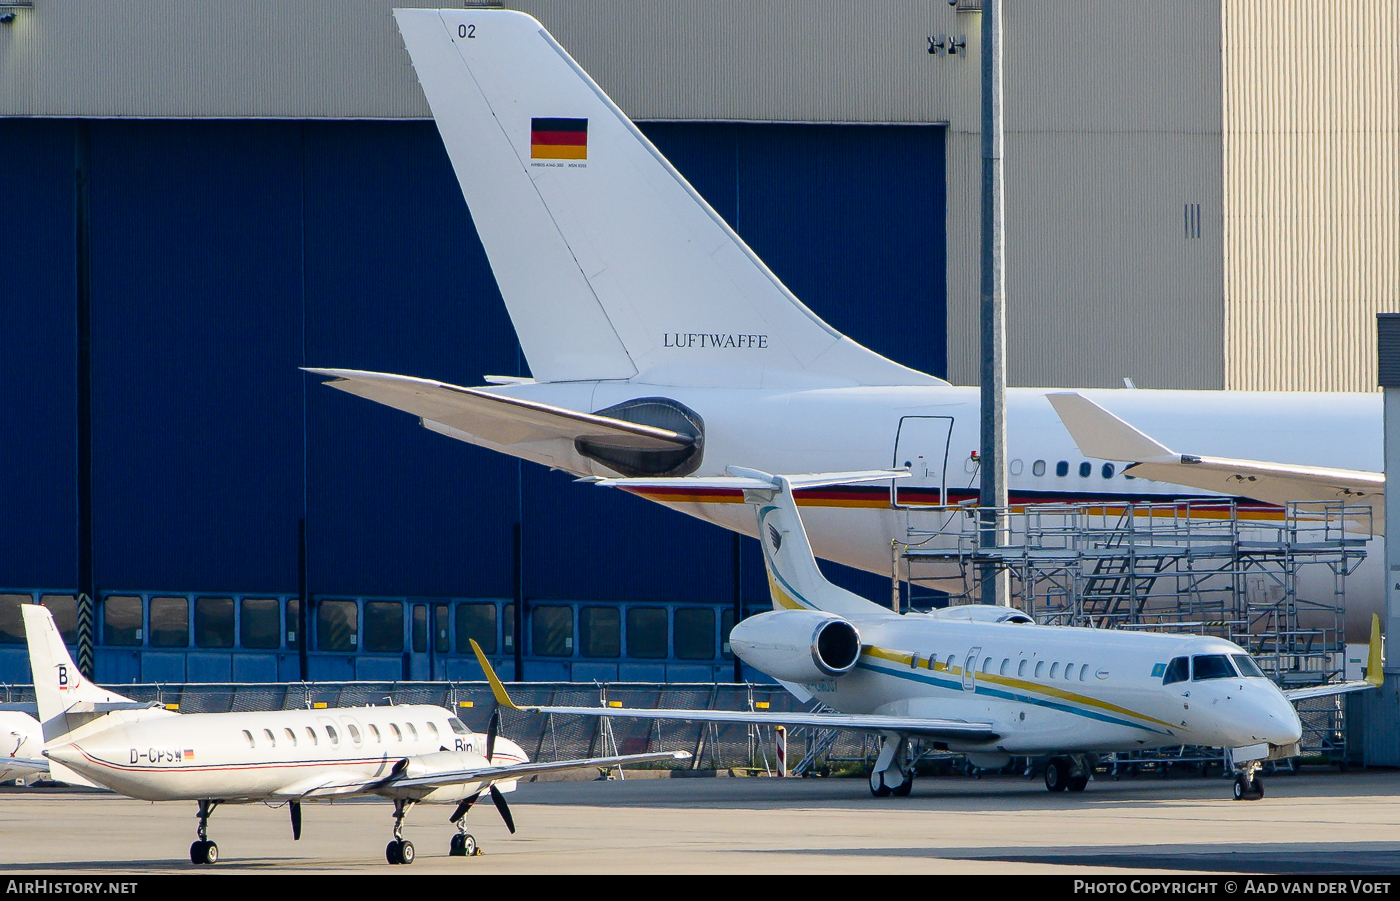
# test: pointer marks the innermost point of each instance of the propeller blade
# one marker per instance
(491, 730)
(463, 807)
(296, 820)
(501, 805)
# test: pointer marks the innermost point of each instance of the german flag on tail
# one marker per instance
(558, 139)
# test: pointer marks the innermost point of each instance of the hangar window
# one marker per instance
(293, 624)
(508, 627)
(646, 632)
(248, 737)
(476, 622)
(1248, 667)
(384, 626)
(122, 621)
(170, 622)
(260, 623)
(420, 628)
(1021, 670)
(374, 730)
(1085, 469)
(394, 728)
(441, 640)
(1062, 468)
(291, 737)
(1039, 668)
(458, 726)
(1038, 468)
(11, 619)
(726, 625)
(213, 622)
(271, 739)
(552, 631)
(1054, 670)
(600, 632)
(64, 608)
(695, 633)
(1179, 670)
(1211, 666)
(311, 734)
(337, 626)
(1108, 470)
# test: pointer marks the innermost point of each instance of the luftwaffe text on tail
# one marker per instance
(984, 681)
(407, 754)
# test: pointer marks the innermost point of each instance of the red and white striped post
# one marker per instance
(780, 740)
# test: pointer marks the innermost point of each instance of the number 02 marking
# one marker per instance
(466, 31)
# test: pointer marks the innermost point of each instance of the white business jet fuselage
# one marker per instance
(660, 344)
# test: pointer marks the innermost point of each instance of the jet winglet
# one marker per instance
(497, 688)
(1375, 671)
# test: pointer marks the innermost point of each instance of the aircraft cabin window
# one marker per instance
(170, 622)
(1038, 467)
(1062, 468)
(1085, 469)
(291, 737)
(248, 737)
(122, 621)
(1179, 670)
(932, 661)
(1054, 670)
(213, 622)
(458, 726)
(1005, 665)
(412, 731)
(986, 664)
(335, 736)
(600, 632)
(394, 728)
(914, 660)
(271, 739)
(476, 622)
(374, 730)
(1108, 470)
(1069, 670)
(1083, 672)
(260, 623)
(1039, 668)
(1211, 666)
(1021, 670)
(311, 734)
(354, 733)
(384, 626)
(1247, 666)
(695, 633)
(433, 729)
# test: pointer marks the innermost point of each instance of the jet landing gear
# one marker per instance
(1066, 773)
(204, 851)
(400, 850)
(890, 776)
(464, 843)
(1248, 788)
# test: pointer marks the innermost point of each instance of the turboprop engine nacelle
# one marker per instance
(797, 645)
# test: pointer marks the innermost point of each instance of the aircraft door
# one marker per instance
(969, 672)
(921, 445)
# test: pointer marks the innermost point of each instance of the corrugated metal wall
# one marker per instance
(1312, 176)
(226, 254)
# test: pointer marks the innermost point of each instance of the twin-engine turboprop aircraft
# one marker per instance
(408, 754)
(661, 345)
(983, 681)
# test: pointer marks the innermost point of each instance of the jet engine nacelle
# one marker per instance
(797, 645)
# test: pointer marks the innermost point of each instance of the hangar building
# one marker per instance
(204, 197)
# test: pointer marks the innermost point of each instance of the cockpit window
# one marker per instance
(1179, 670)
(458, 726)
(1247, 666)
(1211, 666)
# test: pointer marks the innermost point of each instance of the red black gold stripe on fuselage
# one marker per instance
(1205, 507)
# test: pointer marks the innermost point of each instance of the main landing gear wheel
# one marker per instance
(399, 851)
(903, 789)
(878, 788)
(1247, 789)
(1057, 777)
(204, 852)
(464, 845)
(1077, 783)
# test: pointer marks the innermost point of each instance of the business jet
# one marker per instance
(21, 746)
(983, 681)
(661, 345)
(408, 754)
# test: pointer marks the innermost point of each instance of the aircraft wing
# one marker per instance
(496, 418)
(517, 771)
(24, 763)
(1099, 433)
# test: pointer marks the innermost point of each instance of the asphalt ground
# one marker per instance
(1316, 823)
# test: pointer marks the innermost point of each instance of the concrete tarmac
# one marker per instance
(1316, 823)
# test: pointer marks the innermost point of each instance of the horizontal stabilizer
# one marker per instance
(24, 763)
(1098, 433)
(754, 480)
(494, 417)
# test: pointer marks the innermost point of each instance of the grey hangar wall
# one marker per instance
(221, 255)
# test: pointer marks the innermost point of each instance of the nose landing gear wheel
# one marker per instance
(463, 845)
(878, 788)
(399, 851)
(1246, 789)
(1077, 783)
(204, 852)
(1056, 775)
(903, 789)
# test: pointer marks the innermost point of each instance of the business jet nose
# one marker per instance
(1271, 718)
